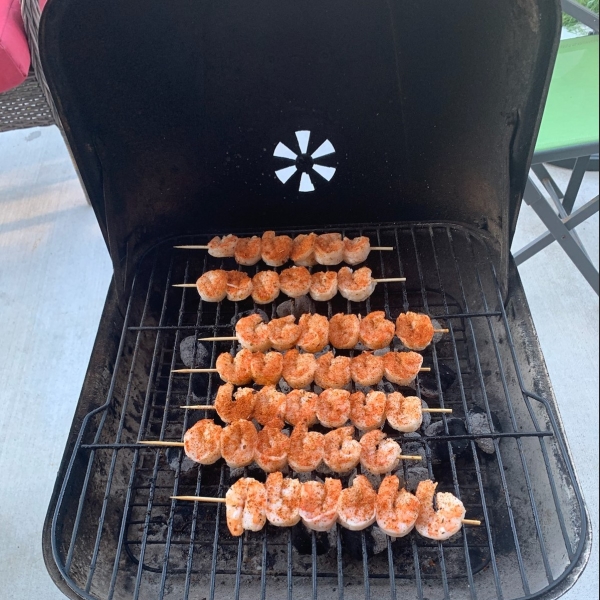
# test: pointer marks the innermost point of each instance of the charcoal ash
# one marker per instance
(284, 387)
(386, 387)
(411, 475)
(478, 420)
(173, 456)
(302, 540)
(194, 354)
(439, 449)
(296, 306)
(352, 542)
(247, 313)
(428, 381)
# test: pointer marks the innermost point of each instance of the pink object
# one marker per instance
(14, 51)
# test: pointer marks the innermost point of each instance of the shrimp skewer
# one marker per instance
(396, 509)
(275, 249)
(202, 442)
(245, 503)
(306, 449)
(344, 331)
(342, 452)
(283, 500)
(238, 443)
(444, 522)
(357, 505)
(319, 503)
(272, 448)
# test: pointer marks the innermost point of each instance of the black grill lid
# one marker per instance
(173, 111)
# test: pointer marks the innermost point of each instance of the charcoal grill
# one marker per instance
(173, 113)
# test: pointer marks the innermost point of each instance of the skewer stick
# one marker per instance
(475, 522)
(421, 370)
(234, 338)
(197, 406)
(437, 410)
(408, 457)
(195, 247)
(386, 280)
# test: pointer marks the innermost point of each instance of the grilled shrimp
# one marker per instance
(319, 502)
(442, 523)
(301, 405)
(269, 405)
(404, 413)
(276, 249)
(379, 455)
(323, 285)
(223, 247)
(306, 449)
(283, 500)
(333, 407)
(343, 331)
(303, 250)
(235, 369)
(355, 286)
(212, 285)
(367, 412)
(252, 333)
(238, 443)
(231, 407)
(366, 369)
(401, 367)
(298, 369)
(202, 442)
(245, 506)
(239, 286)
(272, 447)
(247, 251)
(356, 250)
(342, 452)
(376, 331)
(266, 368)
(396, 509)
(295, 281)
(265, 287)
(415, 330)
(315, 333)
(329, 249)
(283, 333)
(356, 506)
(332, 372)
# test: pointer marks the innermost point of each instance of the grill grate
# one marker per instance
(125, 538)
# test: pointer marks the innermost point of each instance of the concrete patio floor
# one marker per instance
(54, 273)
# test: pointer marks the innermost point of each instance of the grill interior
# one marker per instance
(117, 534)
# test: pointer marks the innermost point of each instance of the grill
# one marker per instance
(176, 114)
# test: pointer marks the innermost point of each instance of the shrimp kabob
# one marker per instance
(265, 286)
(313, 332)
(304, 250)
(284, 502)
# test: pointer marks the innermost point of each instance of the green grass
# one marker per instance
(575, 26)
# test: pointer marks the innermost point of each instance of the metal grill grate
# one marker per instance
(124, 538)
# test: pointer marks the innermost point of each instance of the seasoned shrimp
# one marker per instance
(367, 412)
(315, 333)
(276, 249)
(245, 506)
(415, 330)
(332, 372)
(269, 406)
(333, 407)
(238, 443)
(295, 281)
(376, 331)
(235, 369)
(283, 500)
(283, 333)
(272, 447)
(356, 506)
(379, 454)
(202, 442)
(442, 523)
(404, 413)
(401, 367)
(247, 251)
(396, 509)
(231, 407)
(265, 287)
(252, 333)
(323, 285)
(329, 249)
(356, 250)
(298, 369)
(355, 285)
(239, 286)
(223, 247)
(366, 369)
(342, 452)
(266, 368)
(212, 286)
(301, 405)
(343, 331)
(306, 449)
(303, 250)
(319, 502)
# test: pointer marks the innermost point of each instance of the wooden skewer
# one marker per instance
(475, 522)
(387, 280)
(211, 407)
(437, 410)
(195, 247)
(234, 338)
(421, 370)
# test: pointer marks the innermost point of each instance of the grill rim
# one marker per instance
(52, 555)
